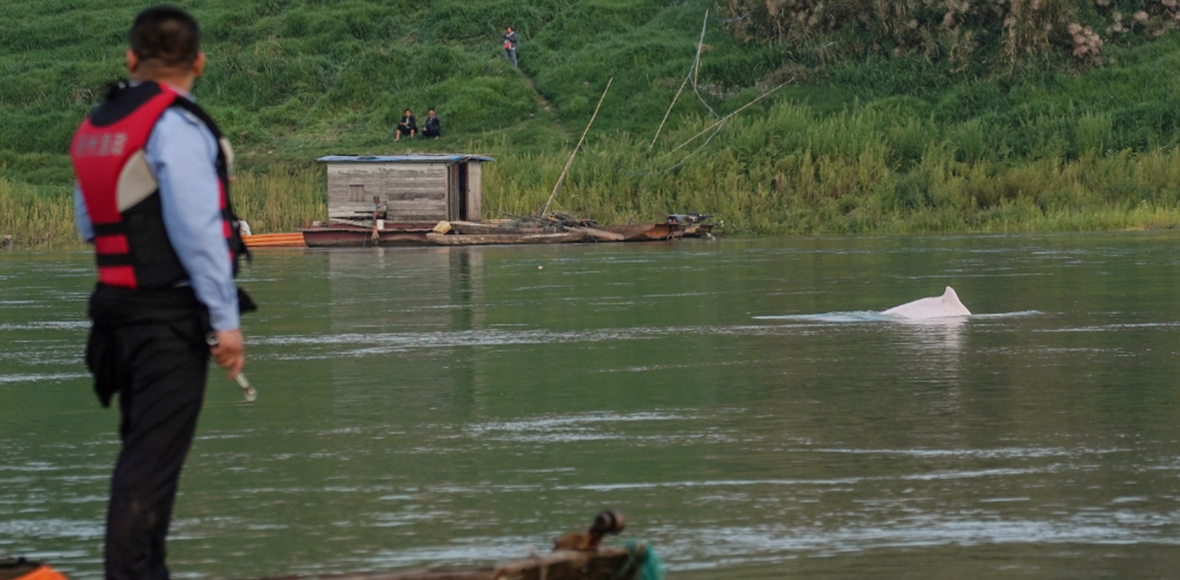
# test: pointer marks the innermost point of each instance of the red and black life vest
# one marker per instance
(123, 197)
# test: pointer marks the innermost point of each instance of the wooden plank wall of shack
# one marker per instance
(474, 191)
(454, 193)
(413, 192)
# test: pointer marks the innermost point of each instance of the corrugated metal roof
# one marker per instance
(422, 158)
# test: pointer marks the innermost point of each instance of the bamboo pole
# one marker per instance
(696, 68)
(579, 146)
(696, 63)
(669, 112)
(727, 117)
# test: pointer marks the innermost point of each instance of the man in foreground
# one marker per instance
(153, 197)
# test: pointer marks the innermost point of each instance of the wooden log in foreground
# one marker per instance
(605, 564)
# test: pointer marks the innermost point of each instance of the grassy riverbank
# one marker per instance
(878, 133)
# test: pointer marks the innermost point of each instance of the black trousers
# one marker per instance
(160, 369)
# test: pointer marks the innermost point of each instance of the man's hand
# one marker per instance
(230, 352)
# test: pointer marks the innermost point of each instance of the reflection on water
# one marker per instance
(740, 401)
(930, 337)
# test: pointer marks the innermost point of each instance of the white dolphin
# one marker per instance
(935, 307)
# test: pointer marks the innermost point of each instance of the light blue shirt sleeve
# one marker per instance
(82, 216)
(181, 153)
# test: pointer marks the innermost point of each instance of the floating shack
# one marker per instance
(414, 189)
(436, 199)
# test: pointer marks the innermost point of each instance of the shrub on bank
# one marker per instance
(977, 37)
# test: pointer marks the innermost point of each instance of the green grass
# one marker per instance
(873, 140)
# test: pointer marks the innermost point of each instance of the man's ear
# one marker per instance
(199, 64)
(132, 61)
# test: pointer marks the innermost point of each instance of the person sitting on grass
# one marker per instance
(432, 127)
(407, 126)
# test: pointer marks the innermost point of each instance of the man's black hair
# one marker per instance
(167, 35)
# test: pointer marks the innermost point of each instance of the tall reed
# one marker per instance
(794, 172)
(273, 198)
(36, 219)
(280, 197)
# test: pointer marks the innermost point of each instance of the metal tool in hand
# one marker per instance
(248, 391)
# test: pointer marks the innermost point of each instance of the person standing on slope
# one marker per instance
(152, 196)
(510, 40)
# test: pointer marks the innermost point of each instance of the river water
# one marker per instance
(739, 400)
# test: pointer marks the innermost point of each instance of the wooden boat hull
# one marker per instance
(497, 239)
(481, 234)
(658, 231)
(493, 228)
(353, 236)
(510, 229)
